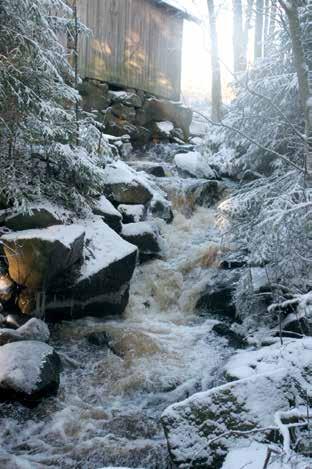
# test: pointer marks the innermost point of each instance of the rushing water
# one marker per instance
(109, 404)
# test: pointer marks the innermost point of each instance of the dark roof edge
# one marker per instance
(181, 11)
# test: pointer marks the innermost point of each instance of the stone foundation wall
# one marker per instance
(143, 117)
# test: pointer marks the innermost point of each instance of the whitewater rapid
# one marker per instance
(107, 412)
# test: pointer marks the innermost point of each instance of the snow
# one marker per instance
(107, 207)
(21, 362)
(134, 211)
(120, 173)
(189, 11)
(105, 246)
(65, 234)
(195, 164)
(138, 229)
(165, 127)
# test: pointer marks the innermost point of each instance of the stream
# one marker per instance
(107, 411)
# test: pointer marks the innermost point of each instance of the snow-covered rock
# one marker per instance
(132, 213)
(216, 296)
(194, 164)
(127, 98)
(160, 207)
(206, 428)
(163, 130)
(36, 257)
(29, 370)
(124, 186)
(110, 215)
(145, 236)
(35, 217)
(102, 286)
(34, 329)
(149, 167)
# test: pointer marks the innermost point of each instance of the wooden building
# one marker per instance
(134, 44)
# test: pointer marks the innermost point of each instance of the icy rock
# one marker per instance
(34, 329)
(132, 213)
(29, 370)
(36, 217)
(124, 186)
(110, 215)
(145, 236)
(36, 257)
(102, 286)
(198, 430)
(194, 164)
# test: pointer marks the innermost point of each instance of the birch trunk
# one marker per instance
(216, 94)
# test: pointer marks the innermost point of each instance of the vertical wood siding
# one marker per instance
(132, 43)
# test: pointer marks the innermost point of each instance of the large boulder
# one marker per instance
(124, 186)
(110, 215)
(36, 257)
(194, 164)
(128, 98)
(217, 295)
(145, 236)
(267, 383)
(123, 112)
(159, 110)
(102, 285)
(29, 370)
(35, 217)
(132, 213)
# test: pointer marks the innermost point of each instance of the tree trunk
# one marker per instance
(239, 62)
(272, 19)
(247, 26)
(259, 29)
(302, 71)
(266, 27)
(216, 95)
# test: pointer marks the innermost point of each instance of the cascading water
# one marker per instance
(107, 412)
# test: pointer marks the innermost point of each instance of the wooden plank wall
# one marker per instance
(133, 43)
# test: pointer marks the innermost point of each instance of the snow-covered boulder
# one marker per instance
(163, 130)
(160, 110)
(36, 257)
(110, 215)
(35, 217)
(29, 370)
(34, 329)
(132, 213)
(145, 236)
(127, 98)
(194, 164)
(149, 167)
(124, 186)
(102, 286)
(206, 428)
